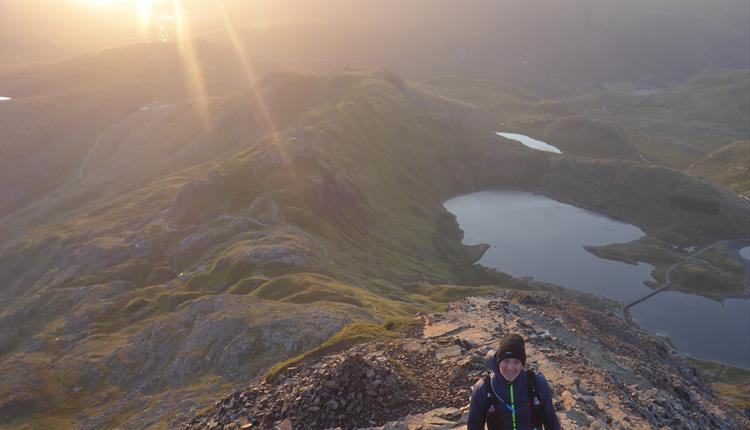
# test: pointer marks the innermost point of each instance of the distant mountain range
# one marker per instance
(568, 47)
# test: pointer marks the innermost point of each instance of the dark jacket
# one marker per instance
(482, 400)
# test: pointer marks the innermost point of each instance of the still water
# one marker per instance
(530, 142)
(532, 235)
(699, 326)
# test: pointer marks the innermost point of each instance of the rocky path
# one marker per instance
(86, 159)
(604, 375)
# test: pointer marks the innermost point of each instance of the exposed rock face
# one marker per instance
(196, 243)
(603, 375)
(218, 333)
(362, 387)
(214, 339)
(348, 389)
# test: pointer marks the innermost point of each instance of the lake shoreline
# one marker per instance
(514, 231)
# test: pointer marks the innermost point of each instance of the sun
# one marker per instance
(108, 3)
(143, 9)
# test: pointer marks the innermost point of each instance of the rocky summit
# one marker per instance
(603, 373)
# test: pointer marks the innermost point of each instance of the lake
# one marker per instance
(699, 326)
(530, 142)
(532, 235)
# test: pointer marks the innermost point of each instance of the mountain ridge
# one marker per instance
(592, 360)
(335, 218)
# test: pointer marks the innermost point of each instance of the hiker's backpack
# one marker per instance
(535, 403)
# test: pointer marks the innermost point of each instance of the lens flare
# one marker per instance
(194, 74)
(145, 8)
(247, 67)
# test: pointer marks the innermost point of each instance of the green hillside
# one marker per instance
(673, 126)
(220, 251)
(192, 260)
(727, 166)
(683, 122)
(503, 107)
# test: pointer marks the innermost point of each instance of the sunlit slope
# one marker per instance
(503, 107)
(192, 282)
(728, 166)
(683, 122)
(151, 297)
(674, 126)
(60, 112)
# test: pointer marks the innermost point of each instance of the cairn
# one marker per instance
(354, 389)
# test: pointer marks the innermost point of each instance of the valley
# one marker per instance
(232, 215)
(302, 225)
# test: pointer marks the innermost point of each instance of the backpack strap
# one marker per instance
(486, 383)
(536, 404)
(531, 383)
(493, 408)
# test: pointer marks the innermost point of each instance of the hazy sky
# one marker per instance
(562, 43)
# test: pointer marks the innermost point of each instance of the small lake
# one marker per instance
(530, 142)
(532, 235)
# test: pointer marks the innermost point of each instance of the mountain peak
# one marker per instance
(603, 373)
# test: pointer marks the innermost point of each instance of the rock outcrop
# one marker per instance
(603, 374)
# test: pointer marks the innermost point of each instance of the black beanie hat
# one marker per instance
(511, 346)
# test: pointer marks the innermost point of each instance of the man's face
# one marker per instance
(510, 368)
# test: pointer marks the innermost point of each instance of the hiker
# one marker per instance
(511, 397)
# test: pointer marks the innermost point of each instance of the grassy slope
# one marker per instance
(732, 383)
(333, 176)
(683, 122)
(673, 127)
(697, 276)
(341, 214)
(513, 109)
(562, 124)
(727, 166)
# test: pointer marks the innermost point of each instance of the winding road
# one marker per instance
(472, 107)
(668, 282)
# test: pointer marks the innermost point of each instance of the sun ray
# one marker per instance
(194, 74)
(252, 82)
(247, 67)
(145, 10)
